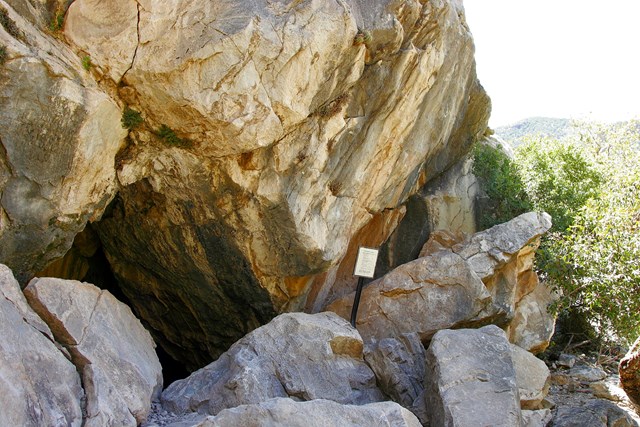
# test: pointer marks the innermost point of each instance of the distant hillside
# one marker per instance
(556, 128)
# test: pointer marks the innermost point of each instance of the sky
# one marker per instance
(558, 58)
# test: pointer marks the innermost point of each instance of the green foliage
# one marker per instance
(131, 118)
(590, 184)
(8, 24)
(558, 178)
(166, 134)
(3, 54)
(500, 180)
(57, 23)
(86, 62)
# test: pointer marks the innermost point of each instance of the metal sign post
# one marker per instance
(365, 267)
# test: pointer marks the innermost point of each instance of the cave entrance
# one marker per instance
(86, 261)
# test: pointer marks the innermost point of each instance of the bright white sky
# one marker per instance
(558, 58)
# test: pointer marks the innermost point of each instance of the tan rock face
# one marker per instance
(285, 131)
(298, 137)
(59, 135)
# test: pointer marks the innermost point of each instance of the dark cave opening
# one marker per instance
(86, 262)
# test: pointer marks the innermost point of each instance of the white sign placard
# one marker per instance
(366, 262)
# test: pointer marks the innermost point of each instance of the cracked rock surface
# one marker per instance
(114, 354)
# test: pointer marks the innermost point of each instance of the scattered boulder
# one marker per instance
(593, 413)
(629, 370)
(315, 413)
(471, 380)
(38, 385)
(296, 355)
(120, 370)
(587, 373)
(532, 377)
(399, 365)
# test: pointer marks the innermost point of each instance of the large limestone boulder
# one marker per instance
(458, 281)
(59, 135)
(438, 291)
(471, 380)
(296, 355)
(38, 385)
(113, 352)
(315, 413)
(285, 134)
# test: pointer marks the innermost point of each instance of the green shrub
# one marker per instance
(86, 62)
(500, 180)
(166, 134)
(131, 118)
(362, 37)
(559, 177)
(57, 23)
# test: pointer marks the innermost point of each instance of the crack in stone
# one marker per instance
(135, 52)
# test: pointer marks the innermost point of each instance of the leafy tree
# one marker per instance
(590, 184)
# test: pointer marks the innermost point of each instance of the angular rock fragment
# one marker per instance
(400, 368)
(471, 380)
(594, 413)
(532, 376)
(629, 369)
(120, 370)
(38, 385)
(296, 355)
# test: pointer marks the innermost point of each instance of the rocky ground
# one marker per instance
(583, 389)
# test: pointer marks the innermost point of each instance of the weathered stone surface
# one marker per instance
(594, 413)
(502, 256)
(316, 413)
(296, 355)
(629, 370)
(538, 418)
(533, 325)
(59, 135)
(471, 380)
(294, 145)
(587, 373)
(458, 281)
(532, 377)
(399, 365)
(38, 385)
(438, 291)
(120, 371)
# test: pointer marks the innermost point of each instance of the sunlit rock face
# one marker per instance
(59, 135)
(273, 132)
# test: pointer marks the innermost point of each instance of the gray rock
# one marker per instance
(316, 413)
(594, 413)
(567, 360)
(399, 365)
(120, 370)
(532, 376)
(38, 385)
(471, 380)
(587, 373)
(537, 418)
(296, 355)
